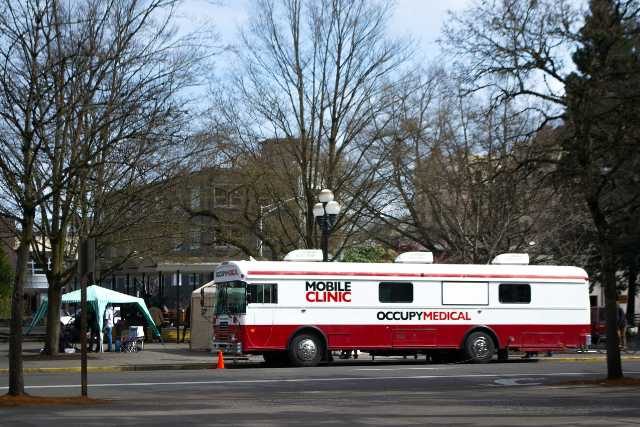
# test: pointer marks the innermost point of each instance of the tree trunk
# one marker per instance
(608, 268)
(53, 319)
(631, 292)
(16, 378)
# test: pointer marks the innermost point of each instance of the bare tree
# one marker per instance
(22, 106)
(313, 79)
(116, 121)
(454, 183)
(89, 110)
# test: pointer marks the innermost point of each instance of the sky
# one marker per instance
(419, 19)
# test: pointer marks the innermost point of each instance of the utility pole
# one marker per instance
(86, 269)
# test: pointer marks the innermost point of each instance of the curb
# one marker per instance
(602, 357)
(139, 368)
(120, 368)
(212, 365)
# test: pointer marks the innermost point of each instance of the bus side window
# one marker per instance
(395, 292)
(271, 293)
(262, 293)
(252, 291)
(514, 293)
(260, 296)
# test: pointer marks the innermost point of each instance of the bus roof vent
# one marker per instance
(511, 259)
(415, 258)
(304, 255)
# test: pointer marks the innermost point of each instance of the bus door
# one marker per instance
(261, 302)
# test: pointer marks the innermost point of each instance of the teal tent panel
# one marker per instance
(42, 310)
(99, 298)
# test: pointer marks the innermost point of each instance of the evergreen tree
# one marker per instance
(602, 151)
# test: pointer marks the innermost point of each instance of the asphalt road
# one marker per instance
(396, 393)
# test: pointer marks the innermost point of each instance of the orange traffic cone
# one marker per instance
(220, 360)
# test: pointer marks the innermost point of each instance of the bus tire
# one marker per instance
(306, 350)
(479, 347)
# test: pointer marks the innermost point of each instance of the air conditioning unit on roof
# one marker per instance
(304, 255)
(511, 259)
(415, 258)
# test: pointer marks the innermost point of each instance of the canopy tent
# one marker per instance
(98, 297)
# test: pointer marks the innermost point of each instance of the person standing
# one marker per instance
(187, 321)
(108, 325)
(94, 335)
(622, 327)
(158, 319)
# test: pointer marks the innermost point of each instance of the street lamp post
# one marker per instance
(326, 212)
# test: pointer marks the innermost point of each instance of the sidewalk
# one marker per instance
(172, 356)
(155, 356)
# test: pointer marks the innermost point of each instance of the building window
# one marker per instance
(512, 293)
(195, 239)
(220, 197)
(195, 198)
(395, 292)
(236, 198)
(262, 293)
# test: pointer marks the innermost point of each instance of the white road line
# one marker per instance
(404, 369)
(307, 380)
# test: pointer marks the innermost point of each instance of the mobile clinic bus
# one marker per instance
(302, 311)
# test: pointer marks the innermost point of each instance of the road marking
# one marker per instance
(307, 380)
(516, 381)
(404, 369)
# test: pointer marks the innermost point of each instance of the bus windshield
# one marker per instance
(231, 298)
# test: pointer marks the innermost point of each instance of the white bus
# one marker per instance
(303, 311)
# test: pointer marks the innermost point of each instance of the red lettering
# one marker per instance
(312, 296)
(328, 296)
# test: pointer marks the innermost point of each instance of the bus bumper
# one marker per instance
(234, 347)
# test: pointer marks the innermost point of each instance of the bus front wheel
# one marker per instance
(479, 347)
(306, 350)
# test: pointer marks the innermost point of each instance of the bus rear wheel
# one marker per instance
(479, 347)
(306, 350)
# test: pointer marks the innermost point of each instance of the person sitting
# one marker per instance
(121, 330)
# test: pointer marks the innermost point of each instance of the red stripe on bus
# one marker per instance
(425, 335)
(417, 275)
